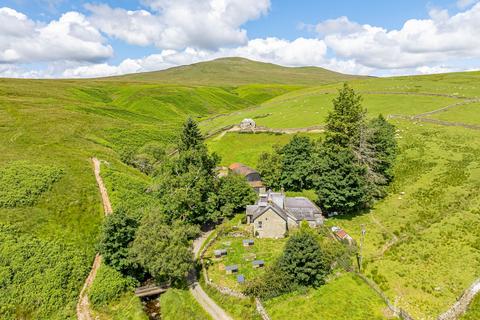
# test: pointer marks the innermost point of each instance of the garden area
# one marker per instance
(240, 255)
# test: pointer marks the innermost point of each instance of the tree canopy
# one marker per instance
(303, 260)
(163, 248)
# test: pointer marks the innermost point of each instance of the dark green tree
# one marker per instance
(187, 183)
(191, 137)
(347, 119)
(234, 194)
(303, 260)
(384, 145)
(297, 164)
(340, 181)
(270, 168)
(118, 232)
(342, 177)
(163, 248)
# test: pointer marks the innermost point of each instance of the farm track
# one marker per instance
(83, 306)
(215, 311)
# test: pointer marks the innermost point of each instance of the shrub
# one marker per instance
(22, 183)
(109, 284)
(39, 279)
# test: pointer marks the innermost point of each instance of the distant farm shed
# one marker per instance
(247, 124)
(252, 176)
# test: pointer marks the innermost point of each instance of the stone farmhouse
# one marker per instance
(274, 214)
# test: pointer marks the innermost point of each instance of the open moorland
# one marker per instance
(422, 244)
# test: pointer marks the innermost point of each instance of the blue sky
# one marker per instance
(61, 38)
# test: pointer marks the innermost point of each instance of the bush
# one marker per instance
(109, 285)
(22, 183)
(271, 284)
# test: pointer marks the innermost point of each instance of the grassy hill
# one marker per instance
(50, 209)
(238, 71)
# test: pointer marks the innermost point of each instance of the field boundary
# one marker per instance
(461, 306)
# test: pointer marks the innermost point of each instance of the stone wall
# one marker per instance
(461, 306)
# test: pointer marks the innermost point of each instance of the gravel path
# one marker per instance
(83, 305)
(215, 311)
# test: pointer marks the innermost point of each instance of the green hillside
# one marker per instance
(50, 209)
(238, 71)
(422, 242)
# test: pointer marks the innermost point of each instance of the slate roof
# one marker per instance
(296, 208)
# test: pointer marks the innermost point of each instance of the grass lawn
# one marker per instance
(469, 113)
(346, 297)
(177, 304)
(238, 309)
(246, 148)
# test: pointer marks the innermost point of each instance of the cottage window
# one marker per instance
(259, 225)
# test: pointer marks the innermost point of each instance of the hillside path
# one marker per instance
(83, 305)
(215, 311)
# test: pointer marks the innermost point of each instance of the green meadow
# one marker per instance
(469, 114)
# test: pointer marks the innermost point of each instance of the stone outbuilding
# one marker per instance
(251, 175)
(248, 124)
(275, 214)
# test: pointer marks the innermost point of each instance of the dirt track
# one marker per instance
(83, 305)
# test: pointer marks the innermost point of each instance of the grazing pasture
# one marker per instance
(345, 296)
(246, 147)
(469, 114)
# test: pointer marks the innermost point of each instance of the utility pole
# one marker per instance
(360, 255)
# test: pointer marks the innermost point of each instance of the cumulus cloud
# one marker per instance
(71, 37)
(417, 43)
(177, 24)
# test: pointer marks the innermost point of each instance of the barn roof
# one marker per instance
(242, 169)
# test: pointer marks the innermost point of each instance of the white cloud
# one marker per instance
(71, 37)
(462, 4)
(177, 24)
(417, 43)
(340, 25)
